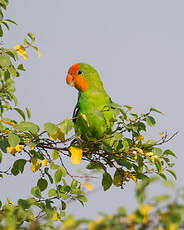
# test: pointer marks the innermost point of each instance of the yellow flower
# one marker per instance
(21, 50)
(154, 157)
(149, 154)
(172, 227)
(19, 148)
(131, 217)
(145, 209)
(55, 216)
(129, 175)
(76, 155)
(87, 186)
(140, 138)
(92, 224)
(9, 201)
(11, 150)
(140, 151)
(45, 162)
(35, 164)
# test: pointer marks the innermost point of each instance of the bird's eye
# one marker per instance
(80, 72)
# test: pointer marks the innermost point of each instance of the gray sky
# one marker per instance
(136, 46)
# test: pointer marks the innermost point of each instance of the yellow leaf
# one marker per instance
(9, 201)
(21, 50)
(11, 150)
(85, 118)
(8, 122)
(35, 165)
(19, 148)
(76, 155)
(39, 54)
(45, 162)
(55, 216)
(87, 186)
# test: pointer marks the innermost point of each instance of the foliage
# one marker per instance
(119, 157)
(161, 212)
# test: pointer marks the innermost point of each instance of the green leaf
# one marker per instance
(1, 126)
(106, 181)
(46, 170)
(52, 192)
(74, 184)
(55, 154)
(82, 199)
(161, 198)
(53, 165)
(157, 151)
(158, 165)
(32, 37)
(18, 167)
(150, 142)
(50, 128)
(117, 181)
(95, 165)
(128, 107)
(21, 67)
(125, 145)
(25, 204)
(1, 156)
(155, 110)
(12, 53)
(27, 126)
(66, 126)
(4, 144)
(150, 120)
(124, 163)
(170, 184)
(58, 175)
(13, 139)
(163, 176)
(6, 24)
(9, 20)
(172, 173)
(1, 31)
(21, 112)
(35, 191)
(28, 113)
(42, 184)
(63, 205)
(63, 170)
(4, 58)
(169, 152)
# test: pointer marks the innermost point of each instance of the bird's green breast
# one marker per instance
(91, 104)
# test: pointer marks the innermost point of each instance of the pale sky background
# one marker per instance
(137, 46)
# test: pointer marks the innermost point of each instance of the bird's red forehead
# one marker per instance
(74, 68)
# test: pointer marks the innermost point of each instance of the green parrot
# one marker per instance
(93, 118)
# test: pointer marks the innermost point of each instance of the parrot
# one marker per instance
(93, 119)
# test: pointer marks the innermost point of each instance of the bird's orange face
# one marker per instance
(75, 78)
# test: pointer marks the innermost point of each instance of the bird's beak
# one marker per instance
(70, 80)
